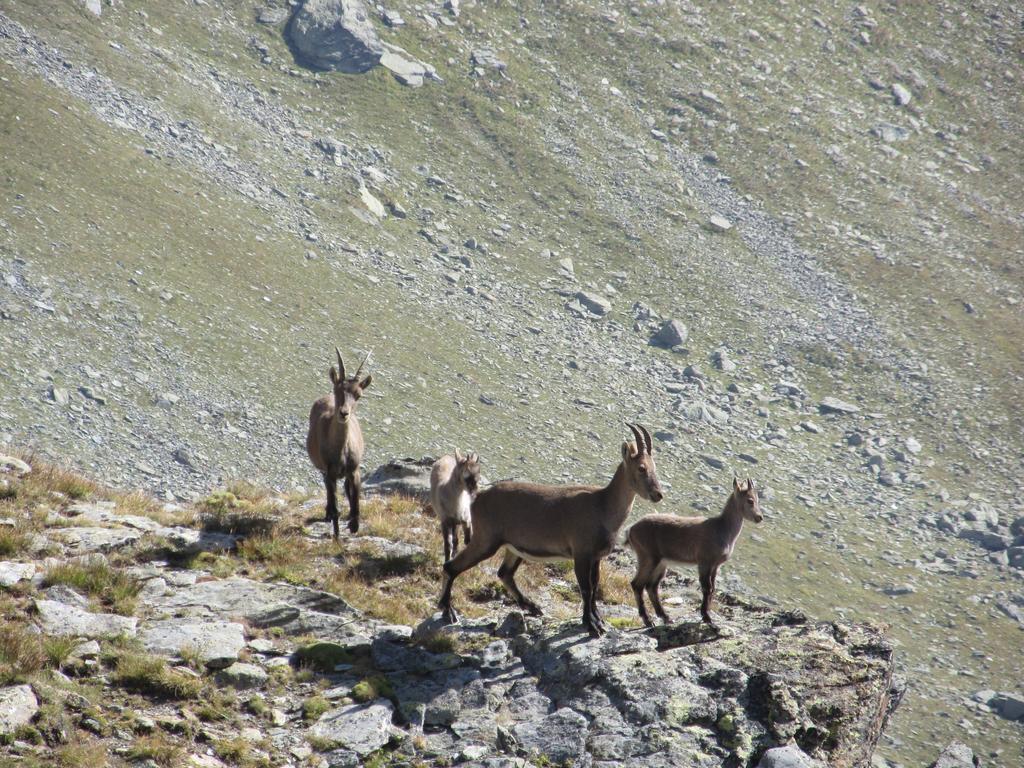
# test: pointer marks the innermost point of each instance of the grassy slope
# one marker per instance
(494, 132)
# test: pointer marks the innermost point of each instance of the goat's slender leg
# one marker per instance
(507, 574)
(446, 534)
(353, 483)
(584, 570)
(640, 580)
(463, 561)
(467, 533)
(705, 588)
(595, 588)
(652, 589)
(331, 483)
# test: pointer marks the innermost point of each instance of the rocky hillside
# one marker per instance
(509, 203)
(141, 634)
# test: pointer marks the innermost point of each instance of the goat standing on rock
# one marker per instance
(663, 540)
(554, 523)
(453, 484)
(335, 440)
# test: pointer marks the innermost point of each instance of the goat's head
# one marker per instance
(468, 469)
(638, 460)
(347, 390)
(746, 499)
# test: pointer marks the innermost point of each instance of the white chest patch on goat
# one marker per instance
(462, 505)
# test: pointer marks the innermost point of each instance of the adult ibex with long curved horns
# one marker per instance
(335, 440)
(556, 522)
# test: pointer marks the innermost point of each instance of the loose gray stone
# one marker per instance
(13, 465)
(1008, 705)
(671, 334)
(956, 755)
(272, 16)
(216, 643)
(12, 573)
(900, 95)
(718, 223)
(71, 621)
(18, 706)
(890, 133)
(789, 756)
(594, 302)
(242, 676)
(335, 35)
(561, 736)
(86, 539)
(835, 405)
(403, 477)
(361, 728)
(487, 59)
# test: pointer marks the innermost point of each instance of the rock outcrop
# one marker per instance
(335, 35)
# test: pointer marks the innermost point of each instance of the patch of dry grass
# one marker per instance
(22, 656)
(150, 675)
(111, 588)
(159, 748)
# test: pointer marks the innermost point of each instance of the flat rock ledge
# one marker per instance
(769, 687)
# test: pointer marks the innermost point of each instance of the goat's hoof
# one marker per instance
(353, 526)
(665, 619)
(648, 623)
(450, 616)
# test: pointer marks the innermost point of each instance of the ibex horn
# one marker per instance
(647, 439)
(636, 436)
(360, 368)
(341, 364)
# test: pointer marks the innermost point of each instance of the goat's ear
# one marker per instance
(735, 483)
(474, 458)
(750, 484)
(366, 382)
(458, 456)
(334, 375)
(627, 450)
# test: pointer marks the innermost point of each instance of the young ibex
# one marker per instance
(663, 540)
(550, 522)
(453, 485)
(335, 441)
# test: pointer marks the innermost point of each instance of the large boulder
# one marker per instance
(401, 477)
(216, 643)
(956, 755)
(335, 35)
(57, 618)
(18, 706)
(361, 728)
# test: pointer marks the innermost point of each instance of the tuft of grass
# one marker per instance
(12, 541)
(85, 751)
(241, 509)
(21, 654)
(158, 748)
(314, 706)
(373, 688)
(150, 675)
(58, 649)
(217, 705)
(439, 642)
(322, 657)
(624, 622)
(615, 587)
(112, 588)
(238, 751)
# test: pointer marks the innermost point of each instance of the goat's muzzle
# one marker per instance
(657, 496)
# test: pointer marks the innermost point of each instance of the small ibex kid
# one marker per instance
(454, 481)
(663, 540)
